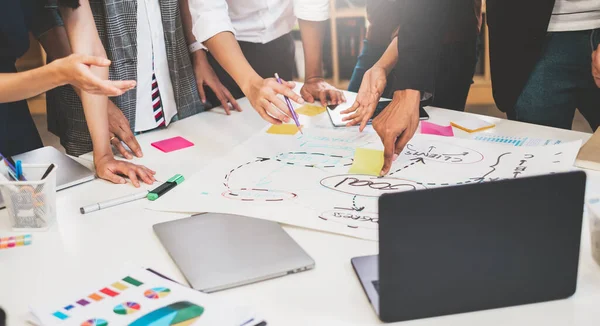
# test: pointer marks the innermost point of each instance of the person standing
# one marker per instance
(145, 41)
(434, 64)
(18, 133)
(250, 41)
(540, 58)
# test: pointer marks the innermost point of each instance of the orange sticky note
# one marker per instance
(472, 124)
(367, 161)
(283, 129)
(310, 110)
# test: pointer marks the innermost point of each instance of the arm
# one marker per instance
(371, 88)
(420, 39)
(204, 73)
(313, 18)
(24, 85)
(212, 27)
(83, 36)
(315, 86)
(56, 44)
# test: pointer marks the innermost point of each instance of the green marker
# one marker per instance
(165, 187)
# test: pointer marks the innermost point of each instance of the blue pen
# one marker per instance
(19, 167)
(289, 105)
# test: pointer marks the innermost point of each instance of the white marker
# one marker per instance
(113, 202)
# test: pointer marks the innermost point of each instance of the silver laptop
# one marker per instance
(220, 251)
(69, 173)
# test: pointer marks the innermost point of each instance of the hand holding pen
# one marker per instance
(290, 106)
(263, 95)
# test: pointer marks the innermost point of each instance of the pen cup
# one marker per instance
(594, 215)
(31, 205)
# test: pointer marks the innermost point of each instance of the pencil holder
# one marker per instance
(31, 204)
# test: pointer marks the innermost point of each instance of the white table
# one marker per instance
(80, 248)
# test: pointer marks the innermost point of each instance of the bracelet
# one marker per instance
(196, 46)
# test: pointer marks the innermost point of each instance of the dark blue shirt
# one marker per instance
(18, 133)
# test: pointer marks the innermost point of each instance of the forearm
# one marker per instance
(24, 85)
(389, 58)
(83, 36)
(56, 43)
(312, 40)
(226, 50)
(186, 20)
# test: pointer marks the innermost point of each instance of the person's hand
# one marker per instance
(369, 93)
(205, 75)
(317, 88)
(596, 66)
(397, 124)
(108, 168)
(119, 129)
(75, 70)
(262, 94)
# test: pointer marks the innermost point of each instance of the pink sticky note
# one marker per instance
(172, 144)
(434, 129)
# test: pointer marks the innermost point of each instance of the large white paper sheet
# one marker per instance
(303, 180)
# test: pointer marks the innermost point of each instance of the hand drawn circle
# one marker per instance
(311, 159)
(368, 185)
(255, 194)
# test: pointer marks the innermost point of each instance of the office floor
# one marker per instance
(579, 123)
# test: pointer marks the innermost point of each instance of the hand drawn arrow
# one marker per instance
(414, 161)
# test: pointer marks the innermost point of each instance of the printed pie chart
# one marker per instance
(95, 322)
(157, 293)
(127, 308)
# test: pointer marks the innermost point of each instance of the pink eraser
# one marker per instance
(172, 144)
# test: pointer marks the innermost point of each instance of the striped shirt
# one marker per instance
(116, 21)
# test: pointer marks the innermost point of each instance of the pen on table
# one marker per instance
(150, 195)
(113, 202)
(289, 105)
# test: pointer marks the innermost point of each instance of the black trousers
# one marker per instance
(454, 75)
(266, 59)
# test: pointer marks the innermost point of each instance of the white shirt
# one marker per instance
(575, 15)
(151, 42)
(256, 21)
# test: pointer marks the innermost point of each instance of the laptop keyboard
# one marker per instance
(376, 285)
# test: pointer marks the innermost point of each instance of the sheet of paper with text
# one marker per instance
(305, 180)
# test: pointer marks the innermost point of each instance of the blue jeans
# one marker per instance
(369, 55)
(456, 69)
(561, 82)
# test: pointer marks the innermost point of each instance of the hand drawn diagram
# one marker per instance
(303, 180)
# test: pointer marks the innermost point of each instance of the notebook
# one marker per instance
(589, 154)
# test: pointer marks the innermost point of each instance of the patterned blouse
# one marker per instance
(116, 21)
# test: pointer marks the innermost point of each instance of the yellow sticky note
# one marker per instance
(367, 161)
(310, 110)
(283, 129)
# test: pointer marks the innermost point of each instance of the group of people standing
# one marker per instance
(170, 59)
